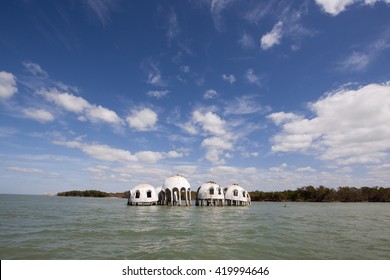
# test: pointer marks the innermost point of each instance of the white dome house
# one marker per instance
(175, 189)
(210, 194)
(142, 194)
(236, 195)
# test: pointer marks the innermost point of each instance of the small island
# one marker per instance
(93, 193)
(303, 194)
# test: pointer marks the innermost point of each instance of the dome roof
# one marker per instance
(235, 192)
(143, 193)
(210, 190)
(176, 181)
(142, 187)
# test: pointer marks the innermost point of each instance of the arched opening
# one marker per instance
(137, 194)
(176, 196)
(235, 193)
(183, 196)
(149, 194)
(211, 191)
(168, 197)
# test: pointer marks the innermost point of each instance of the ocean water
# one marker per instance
(44, 227)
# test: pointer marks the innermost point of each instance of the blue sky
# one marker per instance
(272, 95)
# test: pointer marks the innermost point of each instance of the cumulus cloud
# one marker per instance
(77, 104)
(143, 120)
(39, 115)
(67, 101)
(209, 121)
(7, 85)
(279, 168)
(111, 154)
(273, 37)
(217, 137)
(98, 114)
(282, 117)
(217, 142)
(350, 126)
(210, 94)
(229, 78)
(334, 7)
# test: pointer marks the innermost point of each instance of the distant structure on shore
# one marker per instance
(176, 190)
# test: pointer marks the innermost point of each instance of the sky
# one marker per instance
(272, 95)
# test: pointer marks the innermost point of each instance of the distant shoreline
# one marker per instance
(303, 194)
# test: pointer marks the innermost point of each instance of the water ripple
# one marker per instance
(39, 227)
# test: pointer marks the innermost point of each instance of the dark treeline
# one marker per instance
(323, 194)
(308, 193)
(92, 193)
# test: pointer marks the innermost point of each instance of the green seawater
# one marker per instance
(44, 227)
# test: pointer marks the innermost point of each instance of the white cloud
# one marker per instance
(350, 126)
(100, 152)
(98, 114)
(272, 38)
(334, 7)
(77, 104)
(306, 169)
(40, 115)
(210, 94)
(143, 119)
(157, 93)
(279, 168)
(252, 78)
(215, 147)
(210, 122)
(189, 127)
(246, 41)
(149, 156)
(282, 117)
(111, 154)
(25, 170)
(217, 143)
(229, 78)
(7, 85)
(69, 102)
(174, 154)
(218, 137)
